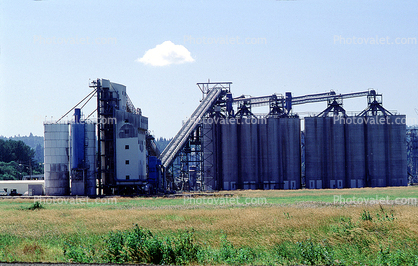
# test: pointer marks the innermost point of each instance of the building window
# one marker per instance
(127, 177)
(127, 162)
(126, 147)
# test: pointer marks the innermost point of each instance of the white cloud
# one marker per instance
(166, 54)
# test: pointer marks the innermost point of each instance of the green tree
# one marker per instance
(17, 160)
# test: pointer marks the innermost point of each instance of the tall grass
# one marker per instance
(138, 245)
(168, 231)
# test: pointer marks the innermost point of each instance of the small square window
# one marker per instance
(126, 147)
(127, 177)
(126, 161)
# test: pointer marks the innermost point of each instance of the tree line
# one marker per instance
(17, 160)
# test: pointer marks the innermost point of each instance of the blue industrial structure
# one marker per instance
(154, 173)
(77, 134)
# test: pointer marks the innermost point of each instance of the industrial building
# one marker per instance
(22, 187)
(225, 145)
(106, 156)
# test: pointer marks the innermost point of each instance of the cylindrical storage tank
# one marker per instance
(77, 159)
(335, 153)
(90, 158)
(56, 159)
(254, 181)
(290, 152)
(247, 153)
(397, 151)
(263, 155)
(314, 152)
(77, 145)
(377, 166)
(355, 152)
(229, 157)
(324, 152)
(275, 177)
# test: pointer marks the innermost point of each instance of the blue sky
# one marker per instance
(50, 49)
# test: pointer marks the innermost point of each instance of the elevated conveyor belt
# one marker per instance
(312, 98)
(180, 139)
(303, 100)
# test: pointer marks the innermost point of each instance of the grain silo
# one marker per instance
(290, 152)
(397, 151)
(247, 153)
(385, 150)
(90, 158)
(56, 159)
(229, 174)
(355, 152)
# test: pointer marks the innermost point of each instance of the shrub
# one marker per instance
(315, 253)
(35, 206)
(80, 251)
(141, 246)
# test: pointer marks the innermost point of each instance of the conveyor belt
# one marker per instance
(180, 139)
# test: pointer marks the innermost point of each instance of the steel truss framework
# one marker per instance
(107, 102)
(187, 167)
(412, 144)
(187, 170)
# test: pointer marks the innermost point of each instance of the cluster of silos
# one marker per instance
(255, 153)
(355, 151)
(283, 145)
(386, 163)
(324, 153)
(70, 158)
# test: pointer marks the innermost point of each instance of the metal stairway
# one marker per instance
(180, 139)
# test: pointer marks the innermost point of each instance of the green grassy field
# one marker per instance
(365, 226)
